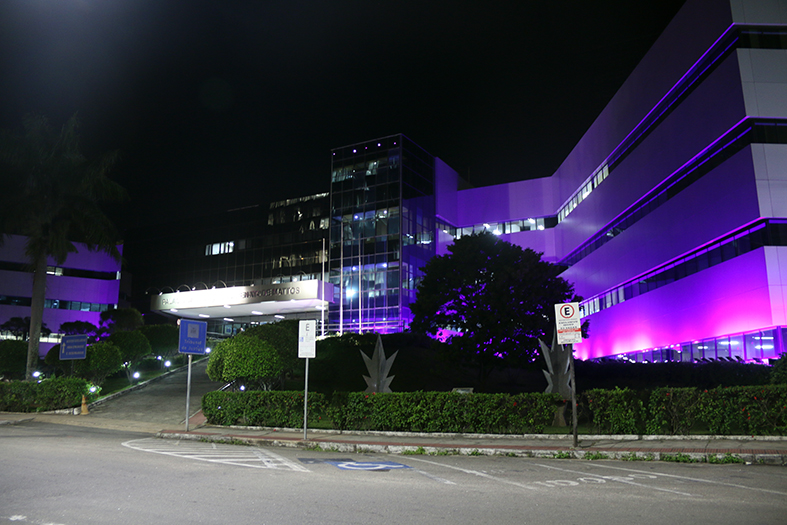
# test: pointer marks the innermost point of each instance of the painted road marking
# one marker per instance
(252, 457)
(733, 485)
(628, 479)
(367, 465)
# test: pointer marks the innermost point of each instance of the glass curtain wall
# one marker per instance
(382, 227)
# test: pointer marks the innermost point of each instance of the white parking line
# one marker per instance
(252, 457)
(628, 480)
(733, 485)
(475, 472)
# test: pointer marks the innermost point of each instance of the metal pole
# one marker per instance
(305, 400)
(322, 290)
(573, 392)
(188, 394)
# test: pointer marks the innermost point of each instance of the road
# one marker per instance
(69, 475)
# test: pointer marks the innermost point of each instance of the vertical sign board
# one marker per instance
(569, 331)
(307, 331)
(192, 336)
(73, 347)
(569, 325)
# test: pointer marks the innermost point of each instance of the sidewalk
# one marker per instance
(770, 450)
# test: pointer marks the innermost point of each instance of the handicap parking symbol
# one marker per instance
(367, 465)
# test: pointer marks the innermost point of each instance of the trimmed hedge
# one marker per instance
(750, 410)
(445, 412)
(408, 411)
(50, 394)
(260, 408)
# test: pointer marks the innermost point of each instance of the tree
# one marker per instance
(163, 338)
(247, 361)
(19, 327)
(121, 320)
(78, 328)
(283, 337)
(101, 360)
(134, 347)
(56, 194)
(492, 300)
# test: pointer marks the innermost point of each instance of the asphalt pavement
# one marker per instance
(158, 407)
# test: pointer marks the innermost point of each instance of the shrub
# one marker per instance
(13, 358)
(673, 410)
(50, 394)
(61, 392)
(779, 370)
(618, 411)
(260, 408)
(101, 360)
(17, 396)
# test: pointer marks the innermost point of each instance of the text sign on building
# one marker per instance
(73, 347)
(192, 336)
(307, 332)
(568, 323)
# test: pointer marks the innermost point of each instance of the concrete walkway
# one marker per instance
(159, 408)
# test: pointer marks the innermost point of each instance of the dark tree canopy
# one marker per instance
(121, 320)
(492, 300)
(54, 197)
(78, 328)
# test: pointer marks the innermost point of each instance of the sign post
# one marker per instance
(192, 337)
(306, 349)
(569, 331)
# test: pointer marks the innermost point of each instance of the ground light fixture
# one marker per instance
(136, 375)
(167, 363)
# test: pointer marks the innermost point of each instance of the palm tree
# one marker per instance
(52, 195)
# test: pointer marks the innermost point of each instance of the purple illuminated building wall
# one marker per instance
(671, 211)
(87, 284)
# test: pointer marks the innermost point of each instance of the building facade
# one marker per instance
(670, 214)
(85, 285)
(382, 231)
(236, 268)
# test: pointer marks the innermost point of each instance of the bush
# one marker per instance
(50, 394)
(673, 410)
(62, 392)
(618, 411)
(779, 370)
(13, 359)
(17, 396)
(412, 411)
(260, 408)
(101, 360)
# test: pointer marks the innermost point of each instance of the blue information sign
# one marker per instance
(192, 337)
(73, 347)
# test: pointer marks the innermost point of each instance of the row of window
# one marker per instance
(61, 271)
(57, 304)
(766, 131)
(758, 346)
(678, 93)
(499, 228)
(770, 232)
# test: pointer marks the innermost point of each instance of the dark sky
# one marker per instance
(217, 105)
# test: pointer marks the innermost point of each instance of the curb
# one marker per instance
(748, 457)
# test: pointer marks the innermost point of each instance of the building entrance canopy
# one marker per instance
(302, 297)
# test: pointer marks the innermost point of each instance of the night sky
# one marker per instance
(218, 105)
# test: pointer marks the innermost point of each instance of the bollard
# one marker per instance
(84, 407)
